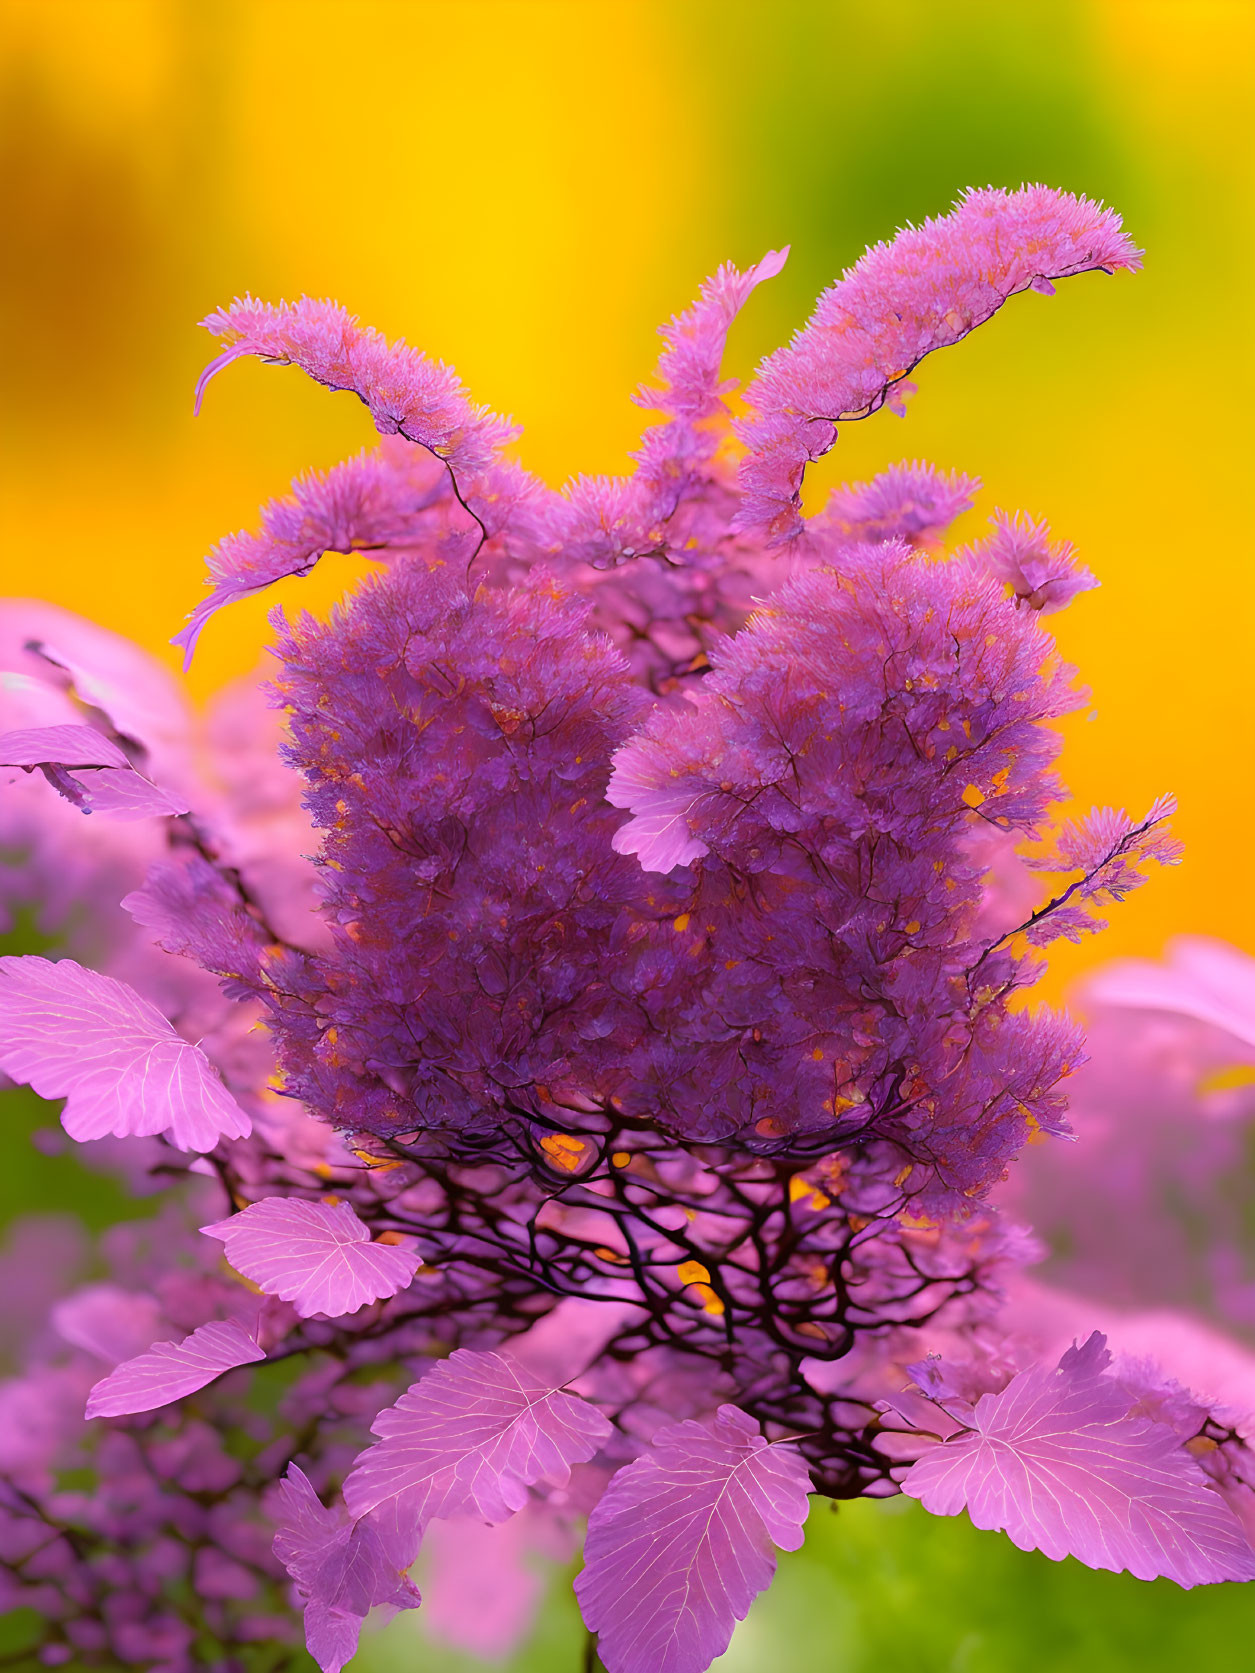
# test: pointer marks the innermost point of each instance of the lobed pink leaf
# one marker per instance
(317, 1255)
(64, 746)
(342, 1569)
(1057, 1461)
(72, 1033)
(658, 833)
(171, 1370)
(469, 1440)
(681, 1543)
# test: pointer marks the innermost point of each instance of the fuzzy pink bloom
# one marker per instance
(407, 393)
(913, 502)
(1043, 574)
(923, 291)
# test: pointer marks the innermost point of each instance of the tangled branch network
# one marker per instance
(605, 1116)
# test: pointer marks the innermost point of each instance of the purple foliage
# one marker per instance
(682, 1540)
(610, 1113)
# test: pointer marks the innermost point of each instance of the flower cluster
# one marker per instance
(608, 1116)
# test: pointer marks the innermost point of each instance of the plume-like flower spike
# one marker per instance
(912, 502)
(377, 502)
(924, 290)
(1110, 850)
(406, 393)
(609, 519)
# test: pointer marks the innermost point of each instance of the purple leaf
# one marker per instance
(128, 795)
(75, 1034)
(1057, 1461)
(469, 1439)
(342, 1569)
(331, 1636)
(172, 1369)
(317, 1255)
(65, 746)
(681, 1543)
(108, 1321)
(658, 833)
(110, 785)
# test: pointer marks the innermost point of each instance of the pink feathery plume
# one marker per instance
(912, 502)
(1043, 574)
(407, 393)
(690, 364)
(924, 291)
(374, 501)
(611, 518)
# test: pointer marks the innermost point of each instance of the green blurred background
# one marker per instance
(527, 187)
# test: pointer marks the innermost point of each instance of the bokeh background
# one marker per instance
(527, 187)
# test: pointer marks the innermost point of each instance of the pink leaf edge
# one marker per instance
(171, 1370)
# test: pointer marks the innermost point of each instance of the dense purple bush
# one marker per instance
(607, 1116)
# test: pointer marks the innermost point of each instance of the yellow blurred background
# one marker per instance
(528, 187)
